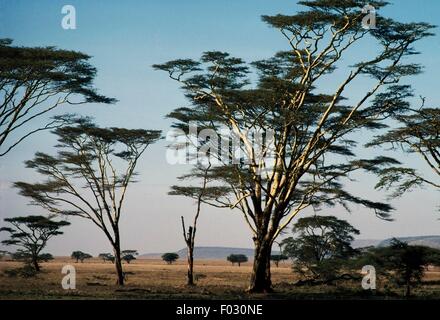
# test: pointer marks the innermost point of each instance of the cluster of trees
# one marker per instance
(80, 256)
(126, 255)
(89, 175)
(321, 252)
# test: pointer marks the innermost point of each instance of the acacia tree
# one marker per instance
(107, 257)
(277, 258)
(129, 255)
(34, 81)
(418, 132)
(402, 263)
(89, 176)
(312, 148)
(80, 256)
(170, 257)
(237, 258)
(31, 234)
(321, 247)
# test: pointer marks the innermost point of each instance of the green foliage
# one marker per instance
(311, 153)
(27, 271)
(308, 125)
(170, 257)
(37, 80)
(418, 132)
(128, 255)
(403, 264)
(90, 175)
(321, 248)
(277, 258)
(80, 256)
(31, 234)
(237, 258)
(107, 257)
(86, 155)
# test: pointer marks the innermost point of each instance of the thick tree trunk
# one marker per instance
(118, 260)
(190, 256)
(260, 278)
(118, 266)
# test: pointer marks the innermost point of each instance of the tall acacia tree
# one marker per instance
(34, 81)
(89, 176)
(312, 144)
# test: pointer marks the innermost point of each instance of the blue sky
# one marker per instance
(125, 38)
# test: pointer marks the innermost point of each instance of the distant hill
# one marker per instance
(208, 253)
(363, 243)
(428, 241)
(220, 253)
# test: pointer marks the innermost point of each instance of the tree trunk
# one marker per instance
(260, 278)
(36, 265)
(118, 260)
(118, 266)
(408, 290)
(190, 280)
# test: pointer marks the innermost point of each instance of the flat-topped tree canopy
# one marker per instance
(31, 234)
(312, 149)
(89, 175)
(36, 80)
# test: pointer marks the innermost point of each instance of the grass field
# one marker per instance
(153, 279)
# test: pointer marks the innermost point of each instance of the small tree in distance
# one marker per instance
(237, 258)
(80, 256)
(129, 255)
(170, 257)
(31, 235)
(107, 257)
(277, 258)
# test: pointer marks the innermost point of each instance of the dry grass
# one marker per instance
(153, 279)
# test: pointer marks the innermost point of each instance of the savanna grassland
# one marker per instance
(216, 279)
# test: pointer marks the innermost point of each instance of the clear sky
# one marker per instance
(125, 38)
